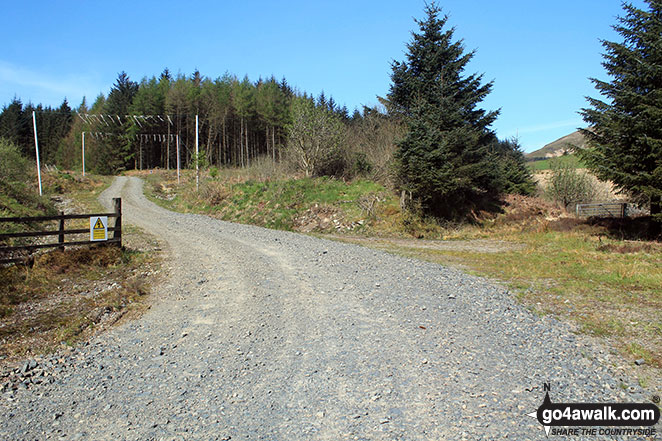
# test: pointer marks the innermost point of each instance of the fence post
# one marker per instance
(118, 221)
(60, 237)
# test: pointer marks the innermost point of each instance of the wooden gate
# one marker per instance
(8, 253)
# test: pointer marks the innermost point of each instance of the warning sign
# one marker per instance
(98, 228)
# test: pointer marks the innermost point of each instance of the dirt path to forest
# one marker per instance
(263, 334)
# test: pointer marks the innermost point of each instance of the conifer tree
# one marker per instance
(444, 161)
(625, 134)
(513, 171)
(116, 151)
(13, 123)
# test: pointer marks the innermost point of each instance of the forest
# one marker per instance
(428, 139)
(135, 126)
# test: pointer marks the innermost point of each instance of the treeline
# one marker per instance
(54, 124)
(136, 125)
(423, 148)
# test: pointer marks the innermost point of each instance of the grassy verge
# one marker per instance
(76, 192)
(67, 296)
(307, 204)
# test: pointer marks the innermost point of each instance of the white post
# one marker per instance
(83, 153)
(178, 158)
(197, 158)
(36, 146)
(168, 150)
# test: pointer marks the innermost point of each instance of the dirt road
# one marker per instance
(262, 334)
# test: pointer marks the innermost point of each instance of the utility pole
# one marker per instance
(36, 146)
(197, 157)
(83, 153)
(168, 149)
(178, 158)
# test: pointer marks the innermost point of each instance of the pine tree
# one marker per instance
(444, 160)
(12, 120)
(243, 96)
(625, 134)
(148, 100)
(513, 171)
(321, 100)
(115, 154)
(165, 75)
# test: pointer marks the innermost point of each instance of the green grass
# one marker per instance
(83, 191)
(19, 195)
(546, 164)
(275, 204)
(270, 203)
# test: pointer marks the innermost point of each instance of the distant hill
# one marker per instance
(558, 147)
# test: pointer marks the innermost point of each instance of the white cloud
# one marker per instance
(576, 122)
(40, 87)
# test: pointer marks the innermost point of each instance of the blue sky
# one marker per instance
(539, 54)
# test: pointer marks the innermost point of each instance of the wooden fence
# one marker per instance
(61, 232)
(606, 209)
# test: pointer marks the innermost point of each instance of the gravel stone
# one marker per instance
(272, 342)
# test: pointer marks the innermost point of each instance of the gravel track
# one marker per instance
(263, 334)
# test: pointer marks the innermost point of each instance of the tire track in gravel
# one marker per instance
(262, 334)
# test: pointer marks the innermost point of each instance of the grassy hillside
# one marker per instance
(322, 205)
(556, 148)
(19, 195)
(546, 164)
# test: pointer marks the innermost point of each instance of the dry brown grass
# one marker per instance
(631, 247)
(67, 296)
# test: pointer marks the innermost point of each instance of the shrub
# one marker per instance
(214, 192)
(568, 187)
(314, 136)
(13, 166)
(332, 163)
(360, 166)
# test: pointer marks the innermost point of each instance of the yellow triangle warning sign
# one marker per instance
(98, 228)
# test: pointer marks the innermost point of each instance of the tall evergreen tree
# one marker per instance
(116, 153)
(13, 124)
(98, 104)
(69, 150)
(165, 75)
(625, 134)
(444, 160)
(148, 100)
(514, 173)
